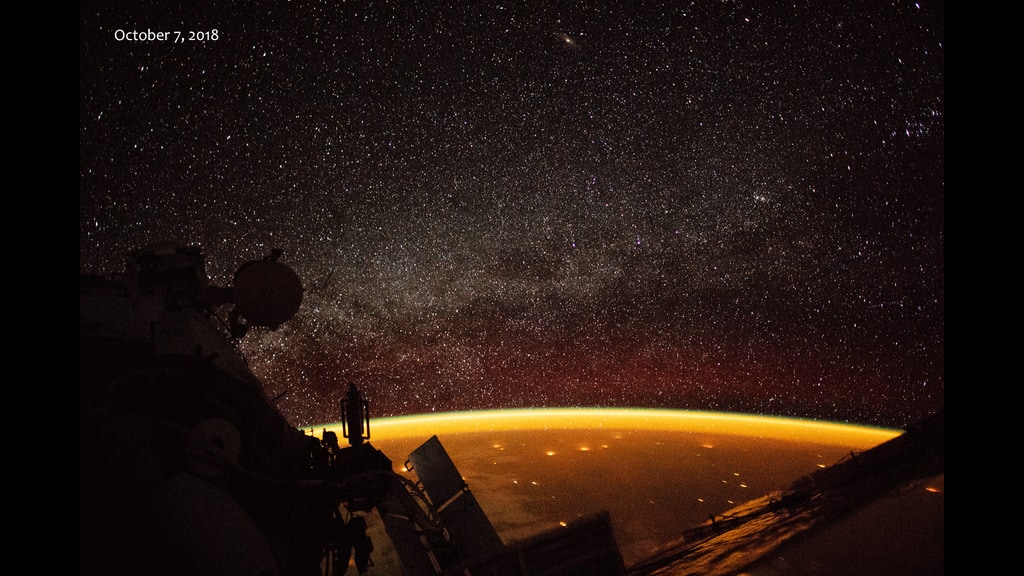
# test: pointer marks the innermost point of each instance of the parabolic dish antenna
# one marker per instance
(267, 293)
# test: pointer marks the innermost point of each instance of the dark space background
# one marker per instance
(712, 205)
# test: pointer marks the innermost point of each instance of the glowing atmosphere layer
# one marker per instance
(636, 419)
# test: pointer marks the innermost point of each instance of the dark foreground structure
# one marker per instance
(187, 467)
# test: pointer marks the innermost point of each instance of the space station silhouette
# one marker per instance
(188, 468)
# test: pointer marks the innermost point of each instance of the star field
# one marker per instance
(709, 205)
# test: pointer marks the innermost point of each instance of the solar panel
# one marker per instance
(470, 530)
(437, 473)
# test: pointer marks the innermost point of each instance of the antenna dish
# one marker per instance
(267, 293)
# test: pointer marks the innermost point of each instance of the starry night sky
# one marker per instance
(711, 205)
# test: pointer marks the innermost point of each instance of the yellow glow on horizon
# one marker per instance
(629, 419)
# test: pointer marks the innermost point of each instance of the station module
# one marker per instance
(188, 468)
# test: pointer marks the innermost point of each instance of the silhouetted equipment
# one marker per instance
(187, 467)
(348, 539)
(355, 530)
(267, 292)
(356, 412)
(469, 529)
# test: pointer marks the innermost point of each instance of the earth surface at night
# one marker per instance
(659, 473)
